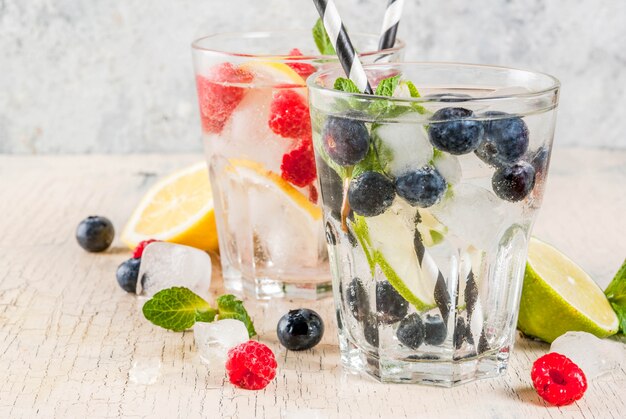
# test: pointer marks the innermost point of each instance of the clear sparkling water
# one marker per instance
(214, 340)
(165, 265)
(593, 355)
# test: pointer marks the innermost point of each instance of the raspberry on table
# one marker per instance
(217, 97)
(558, 380)
(304, 70)
(289, 114)
(138, 251)
(298, 166)
(251, 365)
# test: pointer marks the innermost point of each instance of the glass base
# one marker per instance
(433, 372)
(267, 288)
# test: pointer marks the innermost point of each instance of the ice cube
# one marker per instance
(409, 146)
(165, 265)
(145, 371)
(287, 233)
(449, 167)
(248, 131)
(214, 340)
(593, 355)
(474, 215)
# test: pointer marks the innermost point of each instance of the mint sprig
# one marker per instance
(616, 294)
(178, 308)
(345, 85)
(229, 307)
(322, 40)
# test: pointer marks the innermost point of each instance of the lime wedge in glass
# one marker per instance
(391, 249)
(558, 296)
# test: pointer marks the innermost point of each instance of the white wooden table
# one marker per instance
(69, 335)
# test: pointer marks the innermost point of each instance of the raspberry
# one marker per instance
(303, 69)
(217, 99)
(251, 365)
(289, 114)
(298, 167)
(558, 380)
(138, 252)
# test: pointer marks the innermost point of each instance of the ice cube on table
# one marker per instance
(214, 340)
(145, 371)
(593, 355)
(165, 265)
(408, 144)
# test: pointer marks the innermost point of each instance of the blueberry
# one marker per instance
(357, 299)
(391, 307)
(370, 329)
(370, 194)
(346, 141)
(435, 330)
(453, 132)
(421, 187)
(411, 331)
(127, 274)
(331, 188)
(300, 329)
(506, 139)
(95, 233)
(514, 182)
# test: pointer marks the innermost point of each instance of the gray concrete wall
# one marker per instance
(115, 76)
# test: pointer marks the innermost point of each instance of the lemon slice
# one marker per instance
(256, 173)
(177, 209)
(272, 73)
(558, 296)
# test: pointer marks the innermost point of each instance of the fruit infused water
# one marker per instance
(429, 190)
(257, 138)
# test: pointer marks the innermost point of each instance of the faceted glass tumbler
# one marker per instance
(257, 141)
(429, 201)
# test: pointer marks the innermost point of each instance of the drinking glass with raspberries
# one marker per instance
(257, 138)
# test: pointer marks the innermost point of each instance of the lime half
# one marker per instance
(558, 296)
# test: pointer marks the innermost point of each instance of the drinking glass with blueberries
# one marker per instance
(429, 190)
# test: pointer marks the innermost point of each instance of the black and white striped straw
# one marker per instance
(429, 269)
(393, 13)
(345, 51)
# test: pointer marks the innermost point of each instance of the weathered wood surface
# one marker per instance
(69, 335)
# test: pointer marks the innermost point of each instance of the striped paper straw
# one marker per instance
(345, 51)
(429, 268)
(390, 24)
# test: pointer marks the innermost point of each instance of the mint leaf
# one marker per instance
(229, 307)
(616, 294)
(177, 309)
(345, 85)
(321, 39)
(387, 86)
(412, 89)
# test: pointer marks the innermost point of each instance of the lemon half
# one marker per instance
(177, 209)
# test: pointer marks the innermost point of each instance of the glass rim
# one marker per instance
(312, 83)
(195, 45)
